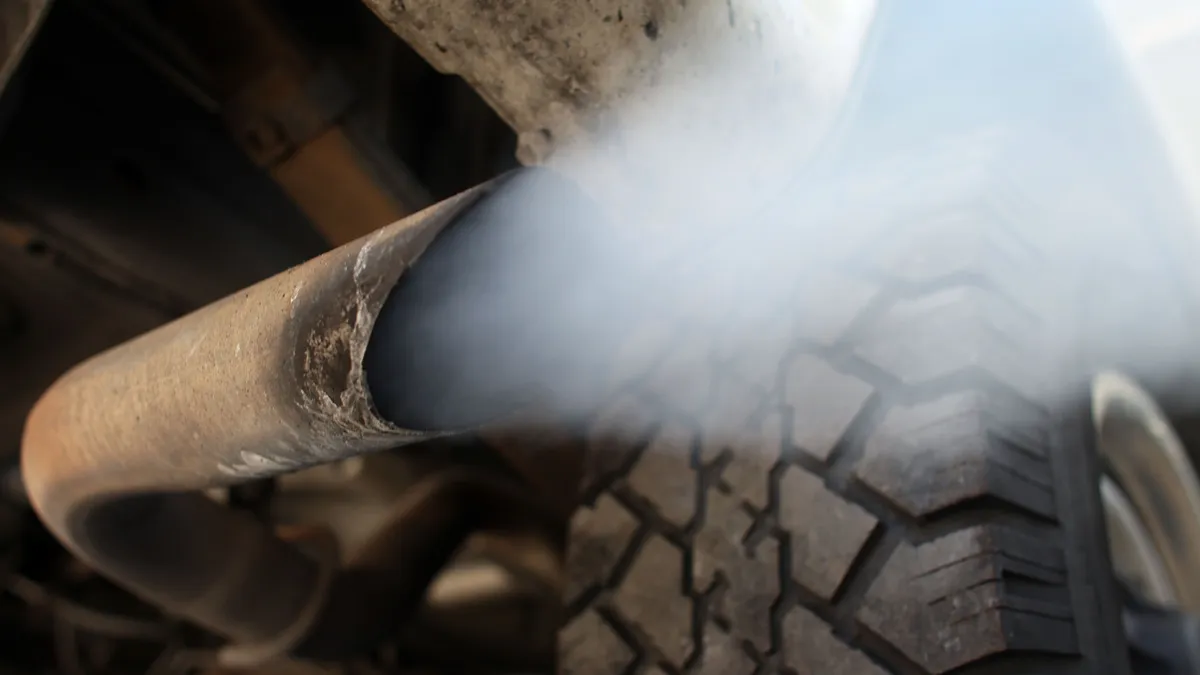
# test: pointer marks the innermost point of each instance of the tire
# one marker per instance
(901, 480)
(893, 489)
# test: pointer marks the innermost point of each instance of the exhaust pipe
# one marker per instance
(360, 350)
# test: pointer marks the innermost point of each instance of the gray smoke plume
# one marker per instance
(794, 167)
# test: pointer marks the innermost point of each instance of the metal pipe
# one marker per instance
(266, 381)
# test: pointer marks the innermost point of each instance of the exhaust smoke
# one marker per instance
(785, 198)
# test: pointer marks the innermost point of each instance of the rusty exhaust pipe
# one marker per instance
(272, 379)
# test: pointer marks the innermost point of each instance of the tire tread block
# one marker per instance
(976, 592)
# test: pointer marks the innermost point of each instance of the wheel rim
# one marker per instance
(1135, 558)
(1150, 493)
